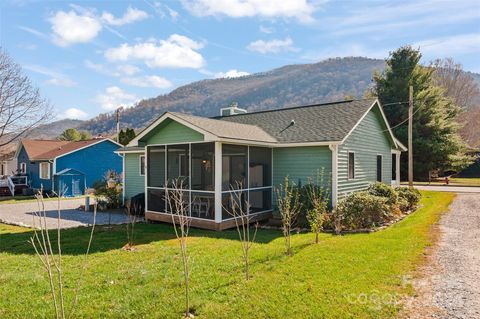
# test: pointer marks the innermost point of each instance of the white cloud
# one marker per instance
(148, 81)
(130, 16)
(70, 27)
(74, 114)
(456, 44)
(266, 30)
(299, 9)
(231, 74)
(173, 14)
(175, 52)
(123, 69)
(114, 97)
(128, 69)
(55, 78)
(272, 46)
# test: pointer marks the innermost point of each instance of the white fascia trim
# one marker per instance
(207, 135)
(124, 181)
(132, 152)
(334, 149)
(87, 146)
(376, 102)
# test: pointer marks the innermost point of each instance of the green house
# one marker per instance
(349, 141)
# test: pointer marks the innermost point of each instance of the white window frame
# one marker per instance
(41, 170)
(348, 166)
(381, 168)
(140, 165)
(23, 168)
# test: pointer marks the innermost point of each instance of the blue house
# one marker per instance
(68, 166)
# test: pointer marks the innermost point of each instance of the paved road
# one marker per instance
(450, 283)
(25, 214)
(453, 189)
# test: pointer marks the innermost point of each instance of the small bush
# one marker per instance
(384, 190)
(109, 190)
(409, 197)
(361, 210)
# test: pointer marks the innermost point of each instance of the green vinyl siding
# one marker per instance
(368, 140)
(169, 132)
(301, 163)
(134, 182)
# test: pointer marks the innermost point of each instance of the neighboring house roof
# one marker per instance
(7, 156)
(70, 171)
(50, 149)
(319, 123)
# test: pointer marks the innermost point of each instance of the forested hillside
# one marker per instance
(290, 85)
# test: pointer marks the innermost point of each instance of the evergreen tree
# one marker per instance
(70, 134)
(85, 135)
(126, 136)
(436, 142)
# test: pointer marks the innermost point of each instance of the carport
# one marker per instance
(69, 182)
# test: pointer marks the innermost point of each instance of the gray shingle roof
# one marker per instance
(314, 123)
(240, 131)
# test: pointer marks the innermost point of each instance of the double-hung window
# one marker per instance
(44, 170)
(351, 165)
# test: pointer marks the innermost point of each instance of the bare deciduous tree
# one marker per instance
(288, 204)
(179, 206)
(240, 210)
(132, 212)
(21, 106)
(52, 261)
(318, 197)
(458, 84)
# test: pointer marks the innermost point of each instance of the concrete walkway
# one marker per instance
(26, 215)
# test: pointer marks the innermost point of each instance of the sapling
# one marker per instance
(288, 204)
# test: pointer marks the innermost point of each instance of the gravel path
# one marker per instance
(450, 283)
(22, 214)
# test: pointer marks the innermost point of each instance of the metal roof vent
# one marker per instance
(233, 109)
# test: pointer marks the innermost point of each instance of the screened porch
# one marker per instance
(209, 172)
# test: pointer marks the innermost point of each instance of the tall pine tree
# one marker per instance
(436, 142)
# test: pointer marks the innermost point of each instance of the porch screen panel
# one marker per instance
(178, 164)
(234, 166)
(229, 199)
(260, 200)
(203, 166)
(156, 166)
(156, 200)
(260, 167)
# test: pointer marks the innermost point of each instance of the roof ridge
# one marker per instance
(294, 107)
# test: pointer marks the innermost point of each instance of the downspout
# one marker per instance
(334, 149)
(54, 166)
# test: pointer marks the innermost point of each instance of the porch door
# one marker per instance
(76, 190)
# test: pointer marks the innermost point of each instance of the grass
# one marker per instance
(327, 280)
(24, 199)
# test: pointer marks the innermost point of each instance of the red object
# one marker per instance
(447, 180)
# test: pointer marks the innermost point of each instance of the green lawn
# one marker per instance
(328, 280)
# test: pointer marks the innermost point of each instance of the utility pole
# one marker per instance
(410, 133)
(118, 124)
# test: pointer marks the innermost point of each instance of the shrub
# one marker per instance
(409, 196)
(384, 190)
(361, 210)
(109, 190)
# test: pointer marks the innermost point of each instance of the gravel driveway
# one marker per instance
(450, 283)
(23, 214)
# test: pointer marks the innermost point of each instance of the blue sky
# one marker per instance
(88, 57)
